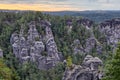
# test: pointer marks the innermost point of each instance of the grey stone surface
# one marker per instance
(39, 47)
(32, 32)
(111, 29)
(31, 49)
(92, 63)
(84, 72)
(14, 37)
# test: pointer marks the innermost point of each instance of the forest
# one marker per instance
(66, 39)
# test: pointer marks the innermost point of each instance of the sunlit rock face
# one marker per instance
(111, 30)
(87, 71)
(31, 47)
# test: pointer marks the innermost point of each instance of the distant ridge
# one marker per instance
(96, 15)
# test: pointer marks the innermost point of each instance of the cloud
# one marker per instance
(36, 7)
(62, 4)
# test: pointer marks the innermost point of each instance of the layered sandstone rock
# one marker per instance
(32, 47)
(89, 70)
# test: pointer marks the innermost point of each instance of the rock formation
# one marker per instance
(32, 47)
(90, 43)
(85, 22)
(111, 30)
(89, 70)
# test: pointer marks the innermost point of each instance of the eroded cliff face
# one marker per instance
(88, 70)
(31, 47)
(90, 42)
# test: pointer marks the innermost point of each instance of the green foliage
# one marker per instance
(69, 62)
(37, 38)
(113, 67)
(78, 58)
(56, 72)
(5, 72)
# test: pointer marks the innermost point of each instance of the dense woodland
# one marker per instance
(11, 69)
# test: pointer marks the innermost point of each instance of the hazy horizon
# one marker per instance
(62, 5)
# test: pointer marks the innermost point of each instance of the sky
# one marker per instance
(60, 5)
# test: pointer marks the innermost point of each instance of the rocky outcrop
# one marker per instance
(31, 47)
(92, 62)
(111, 30)
(89, 70)
(32, 32)
(85, 22)
(90, 44)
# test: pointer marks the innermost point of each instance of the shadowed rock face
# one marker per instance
(111, 23)
(31, 49)
(87, 71)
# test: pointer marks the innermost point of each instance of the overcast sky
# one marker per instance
(57, 5)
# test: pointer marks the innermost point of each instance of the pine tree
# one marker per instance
(113, 67)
